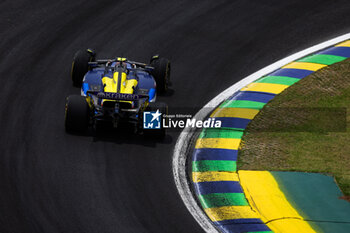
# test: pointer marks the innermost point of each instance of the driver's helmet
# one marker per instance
(121, 64)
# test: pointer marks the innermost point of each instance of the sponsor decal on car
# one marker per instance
(117, 96)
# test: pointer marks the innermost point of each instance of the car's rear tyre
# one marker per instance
(161, 73)
(77, 115)
(80, 65)
(157, 133)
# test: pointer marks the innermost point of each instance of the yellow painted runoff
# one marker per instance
(290, 226)
(265, 87)
(304, 66)
(230, 212)
(214, 176)
(222, 143)
(266, 198)
(246, 113)
(344, 44)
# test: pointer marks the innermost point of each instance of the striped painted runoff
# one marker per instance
(236, 202)
(213, 165)
(323, 59)
(223, 143)
(206, 176)
(242, 104)
(265, 87)
(278, 80)
(235, 112)
(304, 66)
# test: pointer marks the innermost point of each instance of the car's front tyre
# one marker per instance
(161, 73)
(80, 65)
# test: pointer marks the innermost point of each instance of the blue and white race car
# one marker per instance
(114, 92)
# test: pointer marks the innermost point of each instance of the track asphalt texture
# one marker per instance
(54, 182)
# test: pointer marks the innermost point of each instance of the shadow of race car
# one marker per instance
(115, 92)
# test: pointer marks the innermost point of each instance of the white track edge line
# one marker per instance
(182, 143)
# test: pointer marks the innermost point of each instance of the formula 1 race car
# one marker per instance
(115, 92)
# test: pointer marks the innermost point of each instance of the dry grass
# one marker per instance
(304, 128)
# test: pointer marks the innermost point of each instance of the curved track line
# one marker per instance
(184, 141)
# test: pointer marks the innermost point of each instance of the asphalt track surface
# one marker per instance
(51, 181)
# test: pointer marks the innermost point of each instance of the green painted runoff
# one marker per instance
(242, 104)
(223, 199)
(220, 133)
(322, 59)
(214, 165)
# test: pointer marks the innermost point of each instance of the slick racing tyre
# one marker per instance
(80, 65)
(156, 133)
(161, 73)
(77, 115)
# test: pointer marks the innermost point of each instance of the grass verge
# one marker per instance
(304, 128)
